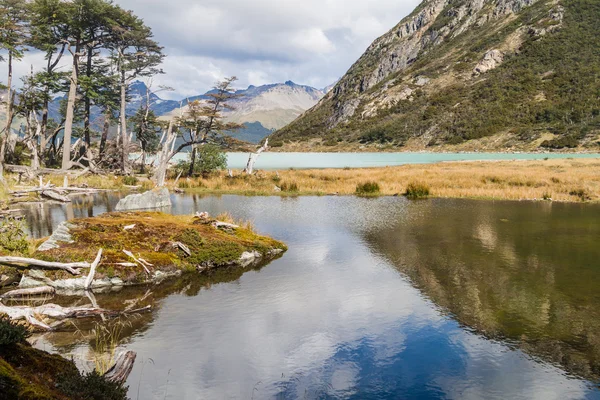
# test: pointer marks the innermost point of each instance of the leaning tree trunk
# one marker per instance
(70, 114)
(9, 102)
(87, 111)
(166, 154)
(105, 130)
(254, 156)
(192, 161)
(125, 141)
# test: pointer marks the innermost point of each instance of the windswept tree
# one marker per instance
(204, 119)
(202, 123)
(48, 34)
(13, 38)
(136, 55)
(90, 24)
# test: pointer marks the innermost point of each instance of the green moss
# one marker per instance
(152, 239)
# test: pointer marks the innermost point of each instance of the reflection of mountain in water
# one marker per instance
(527, 274)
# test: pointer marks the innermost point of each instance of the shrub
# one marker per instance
(547, 196)
(92, 386)
(581, 193)
(290, 187)
(367, 188)
(11, 333)
(13, 238)
(416, 190)
(130, 180)
(276, 178)
(209, 158)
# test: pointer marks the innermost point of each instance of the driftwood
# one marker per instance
(20, 262)
(119, 372)
(28, 292)
(183, 248)
(56, 312)
(140, 261)
(53, 195)
(90, 277)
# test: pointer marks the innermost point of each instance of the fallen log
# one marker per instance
(56, 312)
(119, 372)
(20, 262)
(28, 292)
(52, 195)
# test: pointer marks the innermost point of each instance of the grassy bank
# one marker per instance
(568, 180)
(559, 180)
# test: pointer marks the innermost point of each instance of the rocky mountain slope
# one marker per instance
(469, 74)
(263, 109)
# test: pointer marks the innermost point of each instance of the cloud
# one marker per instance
(312, 42)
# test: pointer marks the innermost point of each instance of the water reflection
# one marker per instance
(528, 273)
(379, 299)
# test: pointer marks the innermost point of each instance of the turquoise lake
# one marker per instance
(275, 161)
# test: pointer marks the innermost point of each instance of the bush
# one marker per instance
(130, 180)
(290, 187)
(209, 158)
(92, 386)
(13, 238)
(581, 193)
(11, 333)
(416, 190)
(367, 188)
(560, 143)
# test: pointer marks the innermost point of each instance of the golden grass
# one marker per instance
(561, 180)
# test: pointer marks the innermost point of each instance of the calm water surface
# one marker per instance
(375, 299)
(274, 161)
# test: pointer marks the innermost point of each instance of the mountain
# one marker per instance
(262, 109)
(469, 74)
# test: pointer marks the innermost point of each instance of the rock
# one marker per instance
(249, 258)
(28, 282)
(421, 81)
(60, 235)
(37, 274)
(153, 199)
(117, 282)
(491, 60)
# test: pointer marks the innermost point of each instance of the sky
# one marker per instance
(311, 42)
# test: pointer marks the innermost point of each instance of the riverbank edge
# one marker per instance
(558, 180)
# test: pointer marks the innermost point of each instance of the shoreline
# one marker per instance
(570, 180)
(560, 180)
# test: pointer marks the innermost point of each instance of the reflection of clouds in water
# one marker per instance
(305, 310)
(327, 317)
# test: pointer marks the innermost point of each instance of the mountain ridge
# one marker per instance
(260, 109)
(460, 73)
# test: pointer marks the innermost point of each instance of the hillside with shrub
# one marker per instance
(462, 74)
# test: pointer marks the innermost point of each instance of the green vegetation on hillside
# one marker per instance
(549, 85)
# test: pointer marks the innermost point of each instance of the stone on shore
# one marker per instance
(150, 200)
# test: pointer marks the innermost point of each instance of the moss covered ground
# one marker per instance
(151, 239)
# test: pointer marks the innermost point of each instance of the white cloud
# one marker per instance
(311, 42)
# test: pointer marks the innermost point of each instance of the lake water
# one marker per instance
(376, 299)
(278, 161)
